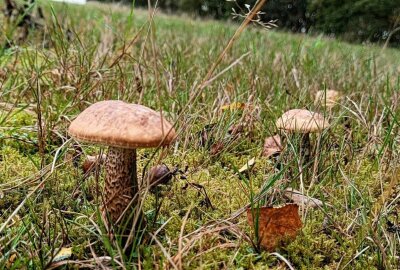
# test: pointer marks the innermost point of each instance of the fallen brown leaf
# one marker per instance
(276, 224)
(217, 148)
(272, 146)
(236, 129)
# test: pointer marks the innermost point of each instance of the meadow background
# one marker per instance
(354, 21)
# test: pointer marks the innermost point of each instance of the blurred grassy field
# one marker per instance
(84, 54)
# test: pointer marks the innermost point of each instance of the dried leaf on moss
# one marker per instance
(272, 146)
(275, 224)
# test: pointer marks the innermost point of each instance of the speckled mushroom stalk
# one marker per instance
(305, 147)
(123, 127)
(121, 185)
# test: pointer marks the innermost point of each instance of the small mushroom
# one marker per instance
(303, 122)
(123, 127)
(158, 175)
(328, 98)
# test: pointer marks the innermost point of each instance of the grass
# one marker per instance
(98, 52)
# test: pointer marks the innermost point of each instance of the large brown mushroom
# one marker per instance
(303, 122)
(123, 127)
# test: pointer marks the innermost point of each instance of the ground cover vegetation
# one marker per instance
(223, 107)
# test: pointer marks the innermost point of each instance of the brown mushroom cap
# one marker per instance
(330, 96)
(119, 124)
(302, 121)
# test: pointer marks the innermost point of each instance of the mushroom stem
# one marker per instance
(304, 144)
(121, 181)
(305, 148)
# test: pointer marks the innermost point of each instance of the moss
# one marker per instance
(16, 131)
(313, 249)
(14, 165)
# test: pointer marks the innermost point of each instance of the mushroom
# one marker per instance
(158, 175)
(123, 127)
(303, 122)
(328, 98)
